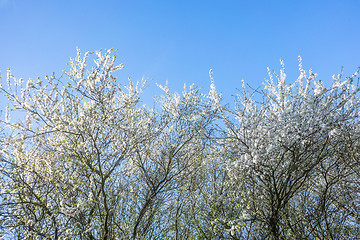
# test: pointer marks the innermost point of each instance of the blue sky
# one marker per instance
(180, 41)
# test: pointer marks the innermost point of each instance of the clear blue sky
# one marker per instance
(180, 41)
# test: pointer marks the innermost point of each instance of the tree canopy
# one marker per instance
(82, 158)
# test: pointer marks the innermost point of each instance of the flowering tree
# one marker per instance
(88, 161)
(291, 163)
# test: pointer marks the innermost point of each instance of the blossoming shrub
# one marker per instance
(87, 161)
